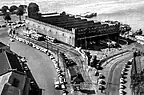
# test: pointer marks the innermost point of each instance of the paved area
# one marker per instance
(112, 72)
(43, 70)
(114, 77)
(39, 63)
(112, 51)
(72, 54)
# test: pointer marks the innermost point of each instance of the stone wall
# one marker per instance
(61, 34)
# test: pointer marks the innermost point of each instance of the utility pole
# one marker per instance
(85, 43)
(47, 44)
(58, 55)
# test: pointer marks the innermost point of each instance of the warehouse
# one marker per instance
(73, 30)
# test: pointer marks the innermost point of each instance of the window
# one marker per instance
(62, 34)
(15, 82)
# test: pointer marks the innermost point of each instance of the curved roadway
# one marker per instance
(113, 70)
(39, 63)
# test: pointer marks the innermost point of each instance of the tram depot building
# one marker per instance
(72, 30)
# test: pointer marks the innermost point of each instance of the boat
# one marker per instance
(88, 15)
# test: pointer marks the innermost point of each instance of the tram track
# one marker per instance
(51, 46)
(54, 47)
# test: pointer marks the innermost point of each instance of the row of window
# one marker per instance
(99, 32)
(95, 28)
(63, 34)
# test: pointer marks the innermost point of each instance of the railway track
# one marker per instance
(55, 47)
(52, 46)
(109, 83)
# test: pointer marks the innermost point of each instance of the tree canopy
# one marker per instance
(4, 9)
(20, 12)
(12, 8)
(7, 16)
(22, 6)
(33, 10)
(33, 7)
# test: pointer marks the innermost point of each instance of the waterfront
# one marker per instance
(126, 11)
(128, 15)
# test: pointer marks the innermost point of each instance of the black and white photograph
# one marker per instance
(71, 47)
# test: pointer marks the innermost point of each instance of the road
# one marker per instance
(69, 51)
(39, 63)
(114, 74)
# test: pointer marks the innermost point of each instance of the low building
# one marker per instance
(73, 30)
(14, 83)
(14, 79)
(9, 61)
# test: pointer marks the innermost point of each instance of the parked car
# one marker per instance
(57, 85)
(4, 25)
(12, 40)
(13, 23)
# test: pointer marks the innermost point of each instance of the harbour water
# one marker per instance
(126, 11)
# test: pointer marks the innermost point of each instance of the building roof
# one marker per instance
(2, 45)
(66, 21)
(9, 61)
(7, 83)
(3, 80)
(4, 65)
(14, 62)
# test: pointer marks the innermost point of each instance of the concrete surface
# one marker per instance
(39, 63)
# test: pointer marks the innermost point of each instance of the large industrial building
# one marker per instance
(73, 30)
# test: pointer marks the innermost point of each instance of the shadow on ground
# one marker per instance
(88, 91)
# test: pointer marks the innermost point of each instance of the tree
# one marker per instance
(63, 13)
(22, 6)
(20, 12)
(33, 9)
(13, 8)
(7, 16)
(4, 9)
